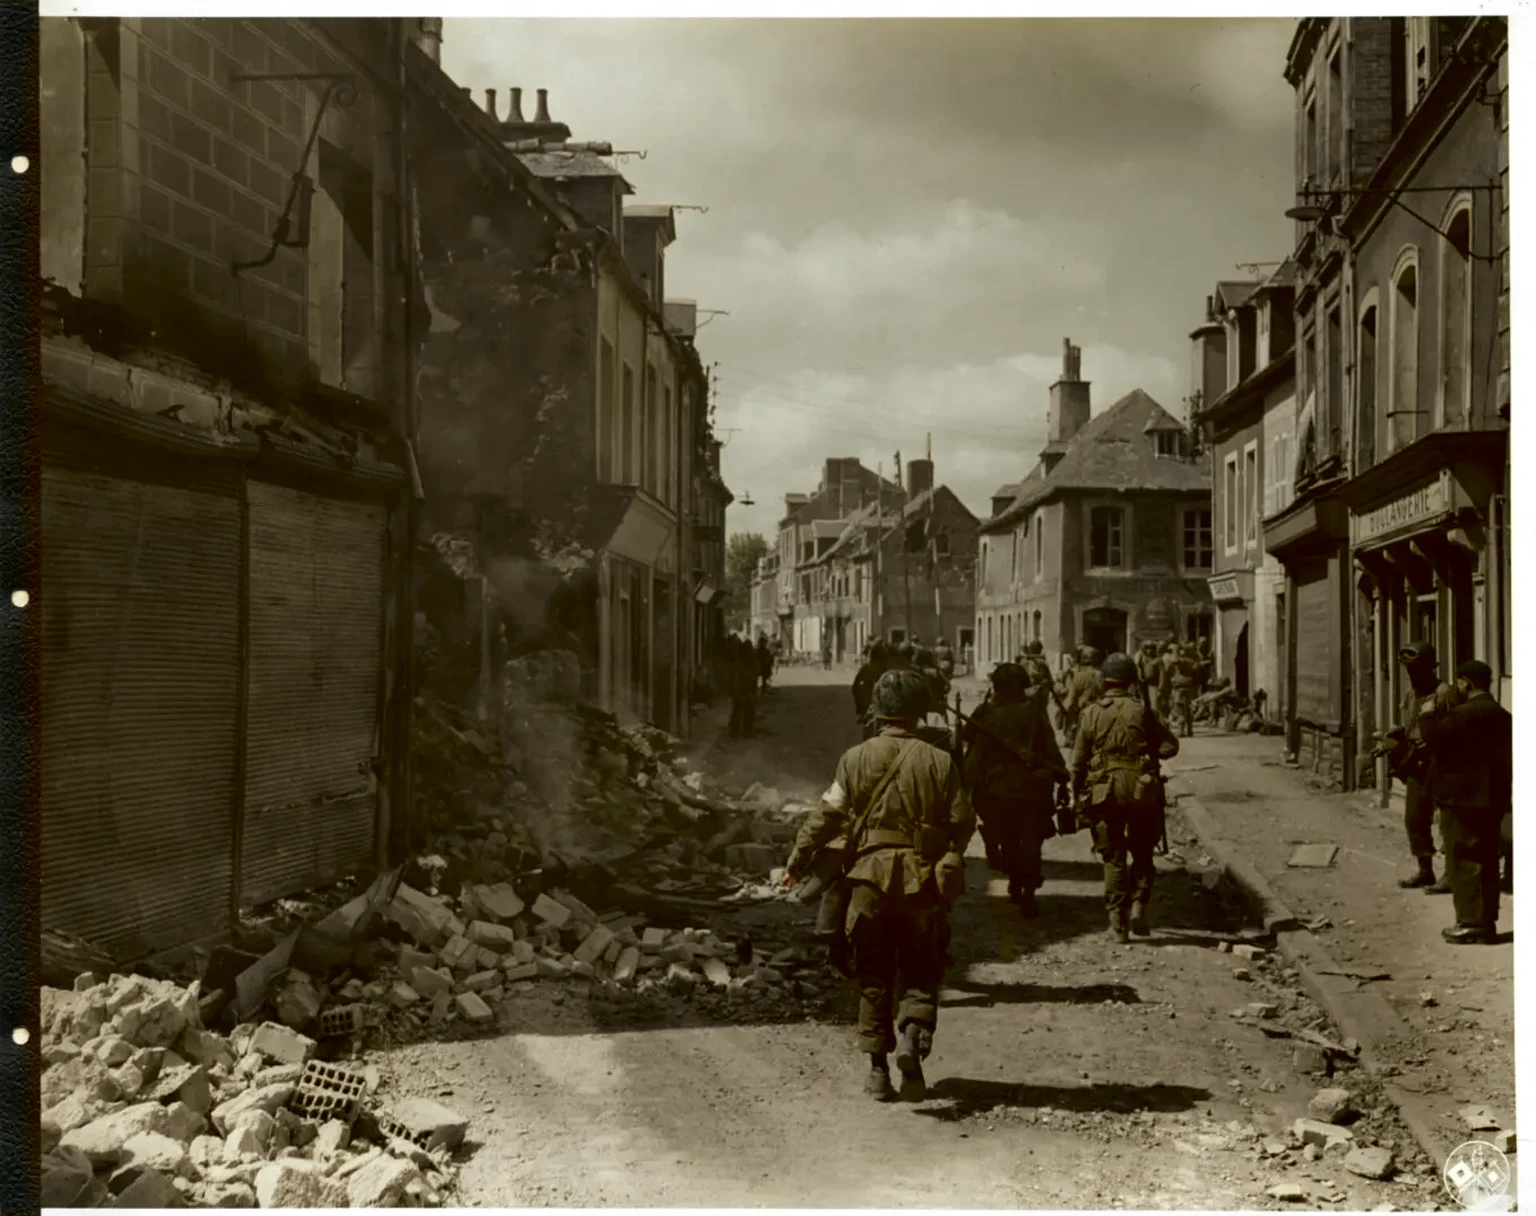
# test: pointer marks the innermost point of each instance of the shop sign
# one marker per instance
(1225, 588)
(1159, 615)
(1419, 506)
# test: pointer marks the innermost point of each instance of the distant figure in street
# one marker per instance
(764, 660)
(1408, 761)
(1181, 701)
(938, 686)
(901, 654)
(1149, 665)
(1204, 666)
(864, 687)
(945, 658)
(742, 674)
(826, 653)
(1012, 766)
(1041, 687)
(902, 810)
(1167, 665)
(1471, 777)
(1084, 686)
(1116, 779)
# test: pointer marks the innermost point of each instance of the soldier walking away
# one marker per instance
(1115, 777)
(901, 808)
(1012, 767)
(1408, 761)
(1471, 776)
(1084, 686)
(764, 660)
(741, 676)
(864, 687)
(938, 686)
(826, 652)
(1042, 687)
(945, 658)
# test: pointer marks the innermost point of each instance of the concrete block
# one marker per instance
(185, 1124)
(490, 936)
(550, 912)
(626, 966)
(717, 973)
(1310, 1060)
(523, 952)
(681, 978)
(241, 1141)
(333, 1136)
(284, 1184)
(1251, 953)
(1331, 1105)
(66, 1188)
(402, 994)
(485, 958)
(266, 1097)
(429, 1124)
(379, 1184)
(653, 939)
(429, 981)
(454, 954)
(282, 1044)
(102, 1139)
(159, 1152)
(586, 971)
(1262, 1009)
(129, 1080)
(151, 1189)
(1289, 1192)
(611, 955)
(499, 902)
(424, 918)
(1314, 1131)
(594, 945)
(1369, 1162)
(552, 968)
(1504, 1141)
(472, 1008)
(482, 980)
(409, 959)
(579, 910)
(114, 1051)
(523, 971)
(259, 1121)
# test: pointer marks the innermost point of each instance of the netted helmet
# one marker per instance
(1118, 669)
(1009, 676)
(902, 693)
(1090, 656)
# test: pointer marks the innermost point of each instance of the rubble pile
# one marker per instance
(145, 1108)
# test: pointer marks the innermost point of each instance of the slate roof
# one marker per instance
(864, 521)
(1234, 293)
(555, 164)
(1113, 453)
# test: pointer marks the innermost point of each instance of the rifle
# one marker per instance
(1006, 746)
(1156, 762)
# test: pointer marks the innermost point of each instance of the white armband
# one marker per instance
(835, 797)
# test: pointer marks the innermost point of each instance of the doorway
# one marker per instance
(1240, 663)
(1104, 630)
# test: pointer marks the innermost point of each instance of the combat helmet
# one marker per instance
(900, 694)
(1119, 669)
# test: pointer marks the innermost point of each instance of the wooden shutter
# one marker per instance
(1315, 646)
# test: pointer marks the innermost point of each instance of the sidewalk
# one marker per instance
(1452, 1043)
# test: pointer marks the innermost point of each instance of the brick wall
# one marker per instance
(1372, 64)
(1501, 397)
(189, 172)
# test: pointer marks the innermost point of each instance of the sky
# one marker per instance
(906, 218)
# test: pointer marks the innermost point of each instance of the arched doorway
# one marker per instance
(1240, 663)
(1104, 630)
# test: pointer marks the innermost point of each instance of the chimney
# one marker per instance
(517, 130)
(1069, 397)
(1210, 308)
(515, 106)
(542, 115)
(490, 102)
(427, 34)
(919, 477)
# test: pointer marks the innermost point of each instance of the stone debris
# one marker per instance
(1375, 1162)
(1479, 1118)
(1332, 1105)
(1504, 1141)
(1323, 1135)
(1290, 1192)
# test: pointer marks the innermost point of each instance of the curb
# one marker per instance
(1362, 1015)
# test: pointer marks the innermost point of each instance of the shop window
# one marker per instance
(1197, 538)
(1402, 415)
(1365, 436)
(1106, 538)
(1455, 319)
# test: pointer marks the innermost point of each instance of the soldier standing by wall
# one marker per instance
(1114, 774)
(900, 805)
(1471, 776)
(1408, 762)
(1012, 766)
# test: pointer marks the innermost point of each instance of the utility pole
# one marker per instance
(877, 604)
(906, 561)
(933, 547)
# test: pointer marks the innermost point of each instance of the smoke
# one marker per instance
(523, 591)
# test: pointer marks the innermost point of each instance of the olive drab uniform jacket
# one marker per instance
(1111, 763)
(1084, 687)
(864, 686)
(922, 815)
(1150, 668)
(1010, 745)
(1408, 758)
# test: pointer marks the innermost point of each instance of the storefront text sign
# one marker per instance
(1225, 589)
(1416, 507)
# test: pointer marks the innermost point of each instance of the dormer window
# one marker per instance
(1167, 443)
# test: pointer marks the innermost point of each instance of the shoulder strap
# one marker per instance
(856, 829)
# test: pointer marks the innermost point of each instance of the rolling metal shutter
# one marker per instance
(140, 697)
(1314, 650)
(316, 603)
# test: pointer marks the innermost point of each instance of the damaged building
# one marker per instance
(226, 490)
(565, 430)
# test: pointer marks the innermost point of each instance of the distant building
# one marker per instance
(1245, 400)
(1107, 542)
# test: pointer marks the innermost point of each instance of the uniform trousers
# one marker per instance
(1020, 823)
(1126, 838)
(1419, 820)
(1471, 837)
(743, 712)
(900, 948)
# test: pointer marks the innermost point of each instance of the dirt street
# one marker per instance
(1067, 1071)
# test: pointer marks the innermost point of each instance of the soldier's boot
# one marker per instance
(1025, 901)
(916, 1043)
(1120, 924)
(1139, 920)
(1425, 877)
(877, 1082)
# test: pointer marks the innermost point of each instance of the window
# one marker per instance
(1333, 406)
(1402, 426)
(1167, 443)
(605, 411)
(1251, 492)
(984, 548)
(648, 444)
(1197, 538)
(1365, 430)
(1039, 543)
(1013, 569)
(1417, 51)
(1198, 627)
(1229, 504)
(1106, 532)
(1036, 626)
(1311, 166)
(1336, 116)
(1455, 319)
(627, 468)
(941, 544)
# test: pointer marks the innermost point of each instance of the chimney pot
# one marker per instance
(542, 114)
(490, 102)
(515, 106)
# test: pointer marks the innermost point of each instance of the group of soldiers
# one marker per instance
(936, 666)
(745, 671)
(903, 806)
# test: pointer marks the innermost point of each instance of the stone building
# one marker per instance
(763, 611)
(1398, 527)
(1106, 542)
(565, 408)
(1244, 398)
(226, 496)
